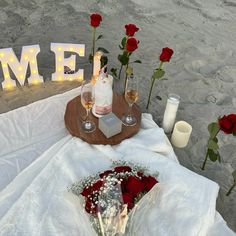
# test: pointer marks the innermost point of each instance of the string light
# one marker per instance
(31, 50)
(2, 54)
(59, 49)
(26, 57)
(20, 68)
(11, 59)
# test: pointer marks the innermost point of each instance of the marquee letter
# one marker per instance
(59, 49)
(19, 68)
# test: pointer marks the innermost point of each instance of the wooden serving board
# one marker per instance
(75, 114)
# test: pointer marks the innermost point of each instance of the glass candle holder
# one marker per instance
(170, 112)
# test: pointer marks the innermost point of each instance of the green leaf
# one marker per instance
(103, 60)
(90, 58)
(124, 59)
(99, 37)
(234, 133)
(219, 157)
(123, 42)
(114, 72)
(234, 175)
(213, 129)
(212, 144)
(103, 50)
(137, 61)
(212, 155)
(158, 74)
(159, 98)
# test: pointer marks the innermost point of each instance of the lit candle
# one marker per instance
(181, 134)
(97, 63)
(170, 112)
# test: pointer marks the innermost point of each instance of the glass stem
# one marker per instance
(129, 112)
(87, 115)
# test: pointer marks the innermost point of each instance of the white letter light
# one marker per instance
(19, 68)
(59, 49)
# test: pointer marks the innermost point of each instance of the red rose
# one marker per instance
(227, 124)
(95, 19)
(119, 169)
(86, 191)
(134, 186)
(131, 44)
(166, 54)
(123, 185)
(105, 173)
(149, 182)
(128, 199)
(91, 207)
(131, 29)
(232, 117)
(97, 185)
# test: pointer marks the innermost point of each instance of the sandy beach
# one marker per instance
(202, 70)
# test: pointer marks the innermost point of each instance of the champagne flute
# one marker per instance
(131, 96)
(87, 100)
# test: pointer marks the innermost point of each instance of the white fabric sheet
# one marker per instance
(32, 199)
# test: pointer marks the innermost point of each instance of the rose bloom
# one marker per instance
(228, 123)
(131, 29)
(134, 186)
(95, 19)
(128, 199)
(166, 54)
(119, 169)
(131, 44)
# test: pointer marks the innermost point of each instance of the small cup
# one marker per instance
(181, 134)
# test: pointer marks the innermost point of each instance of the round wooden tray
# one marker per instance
(75, 113)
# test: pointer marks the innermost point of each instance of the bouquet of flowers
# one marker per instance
(109, 196)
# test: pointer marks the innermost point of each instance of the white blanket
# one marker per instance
(33, 203)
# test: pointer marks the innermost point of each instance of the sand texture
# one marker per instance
(202, 70)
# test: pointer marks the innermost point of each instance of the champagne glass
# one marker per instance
(87, 100)
(131, 96)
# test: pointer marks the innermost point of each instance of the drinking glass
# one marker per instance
(131, 96)
(87, 100)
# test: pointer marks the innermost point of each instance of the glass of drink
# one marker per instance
(131, 96)
(87, 100)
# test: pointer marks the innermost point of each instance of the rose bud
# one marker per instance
(132, 44)
(131, 29)
(226, 125)
(95, 19)
(166, 54)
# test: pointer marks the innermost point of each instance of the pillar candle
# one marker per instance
(170, 112)
(181, 134)
(97, 63)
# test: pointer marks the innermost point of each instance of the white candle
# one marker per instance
(170, 112)
(181, 134)
(97, 63)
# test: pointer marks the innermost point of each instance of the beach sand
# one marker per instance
(202, 71)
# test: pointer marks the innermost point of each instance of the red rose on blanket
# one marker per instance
(131, 44)
(135, 186)
(149, 182)
(128, 199)
(95, 19)
(90, 206)
(166, 54)
(87, 191)
(131, 29)
(119, 169)
(228, 123)
(105, 173)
